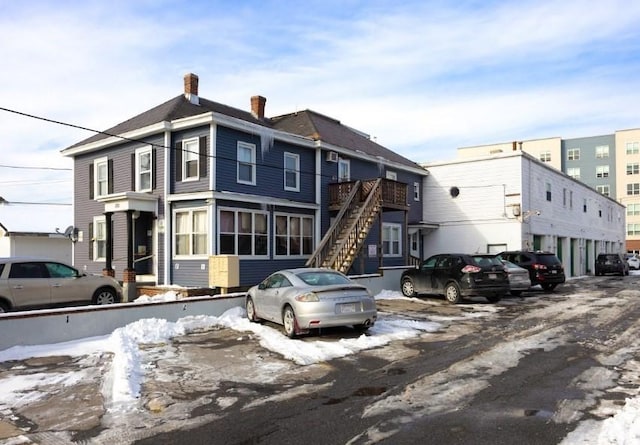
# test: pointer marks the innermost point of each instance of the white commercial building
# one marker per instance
(512, 201)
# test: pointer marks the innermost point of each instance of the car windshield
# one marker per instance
(323, 278)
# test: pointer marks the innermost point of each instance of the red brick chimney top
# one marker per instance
(257, 106)
(191, 88)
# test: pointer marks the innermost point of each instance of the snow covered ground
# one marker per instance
(128, 372)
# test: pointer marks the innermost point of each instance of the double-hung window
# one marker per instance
(632, 148)
(190, 159)
(101, 177)
(416, 191)
(143, 171)
(191, 232)
(344, 170)
(246, 154)
(602, 171)
(602, 151)
(391, 239)
(574, 172)
(545, 156)
(243, 232)
(294, 235)
(292, 172)
(633, 168)
(573, 154)
(633, 189)
(99, 238)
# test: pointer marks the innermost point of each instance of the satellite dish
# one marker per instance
(68, 231)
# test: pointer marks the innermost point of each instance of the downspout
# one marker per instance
(318, 217)
(167, 209)
(213, 130)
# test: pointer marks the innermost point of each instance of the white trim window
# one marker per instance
(633, 168)
(99, 238)
(574, 172)
(632, 148)
(243, 232)
(602, 151)
(573, 154)
(191, 159)
(144, 172)
(545, 156)
(191, 232)
(294, 235)
(416, 191)
(633, 189)
(603, 189)
(101, 181)
(602, 171)
(246, 173)
(344, 170)
(391, 240)
(292, 172)
(633, 209)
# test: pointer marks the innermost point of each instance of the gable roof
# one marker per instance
(319, 127)
(306, 123)
(177, 108)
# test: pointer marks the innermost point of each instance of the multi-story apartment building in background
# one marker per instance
(608, 163)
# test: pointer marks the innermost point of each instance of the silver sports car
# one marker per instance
(311, 298)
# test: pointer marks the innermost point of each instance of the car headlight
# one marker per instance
(307, 296)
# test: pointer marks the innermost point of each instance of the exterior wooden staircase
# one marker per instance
(346, 236)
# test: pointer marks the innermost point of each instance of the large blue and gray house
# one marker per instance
(160, 195)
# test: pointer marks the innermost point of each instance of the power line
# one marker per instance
(35, 168)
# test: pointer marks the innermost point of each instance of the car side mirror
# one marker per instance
(261, 286)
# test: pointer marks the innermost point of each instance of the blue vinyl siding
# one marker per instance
(269, 167)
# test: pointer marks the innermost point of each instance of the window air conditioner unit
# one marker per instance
(332, 156)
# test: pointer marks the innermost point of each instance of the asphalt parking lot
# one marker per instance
(542, 368)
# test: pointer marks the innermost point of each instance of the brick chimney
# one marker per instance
(257, 106)
(191, 88)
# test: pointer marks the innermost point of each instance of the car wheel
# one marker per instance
(4, 307)
(289, 322)
(494, 298)
(549, 287)
(516, 293)
(251, 311)
(105, 295)
(452, 293)
(408, 289)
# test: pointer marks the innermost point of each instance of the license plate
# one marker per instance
(347, 308)
(492, 276)
(554, 271)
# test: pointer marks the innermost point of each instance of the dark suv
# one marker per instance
(456, 276)
(544, 268)
(611, 263)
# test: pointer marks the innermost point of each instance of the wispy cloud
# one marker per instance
(422, 77)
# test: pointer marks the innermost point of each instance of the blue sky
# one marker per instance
(422, 77)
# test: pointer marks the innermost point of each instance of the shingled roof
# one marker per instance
(303, 123)
(176, 108)
(323, 128)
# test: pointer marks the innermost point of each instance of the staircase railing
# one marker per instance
(349, 244)
(330, 238)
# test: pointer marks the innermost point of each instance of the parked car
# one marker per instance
(309, 298)
(634, 262)
(611, 263)
(27, 283)
(457, 275)
(519, 280)
(545, 268)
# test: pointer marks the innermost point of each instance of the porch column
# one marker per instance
(129, 275)
(108, 267)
